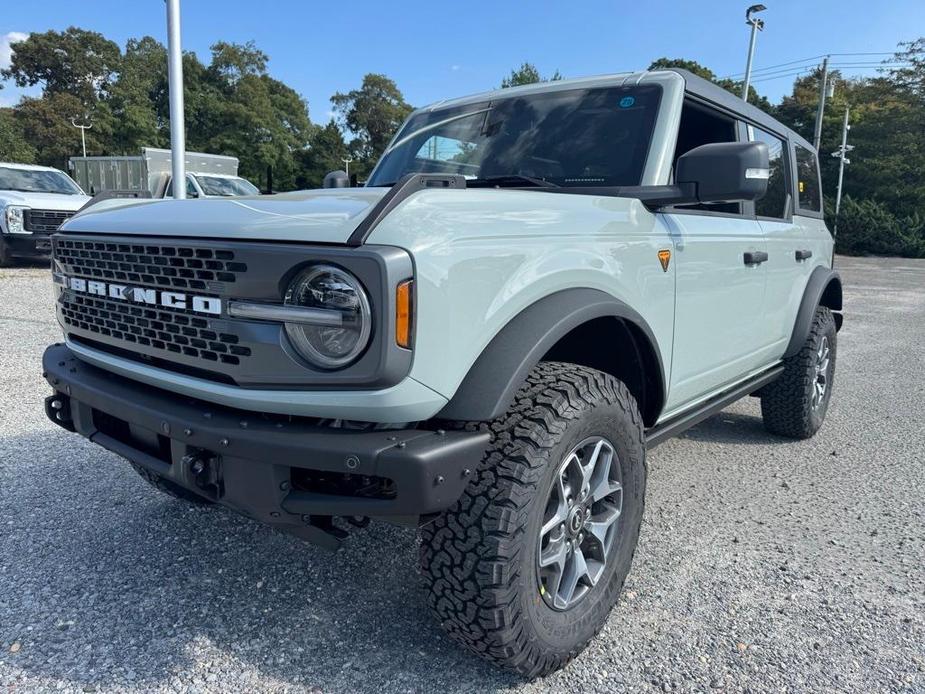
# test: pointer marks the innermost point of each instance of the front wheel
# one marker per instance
(525, 568)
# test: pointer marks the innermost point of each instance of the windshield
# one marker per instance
(580, 137)
(218, 185)
(37, 181)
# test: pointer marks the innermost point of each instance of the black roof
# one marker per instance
(713, 93)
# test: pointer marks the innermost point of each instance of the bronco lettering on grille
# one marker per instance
(142, 295)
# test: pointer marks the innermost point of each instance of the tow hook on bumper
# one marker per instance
(293, 473)
(206, 471)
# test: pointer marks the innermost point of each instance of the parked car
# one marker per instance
(208, 175)
(34, 201)
(537, 285)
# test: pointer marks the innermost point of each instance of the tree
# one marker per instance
(372, 113)
(13, 144)
(324, 154)
(239, 109)
(46, 125)
(138, 98)
(75, 61)
(527, 74)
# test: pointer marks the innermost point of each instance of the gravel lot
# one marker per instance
(764, 565)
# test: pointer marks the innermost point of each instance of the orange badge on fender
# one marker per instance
(664, 257)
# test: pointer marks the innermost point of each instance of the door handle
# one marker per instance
(803, 255)
(755, 257)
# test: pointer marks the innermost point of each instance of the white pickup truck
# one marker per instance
(34, 201)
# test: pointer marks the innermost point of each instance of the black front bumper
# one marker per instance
(27, 245)
(290, 472)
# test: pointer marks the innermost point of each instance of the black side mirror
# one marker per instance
(725, 171)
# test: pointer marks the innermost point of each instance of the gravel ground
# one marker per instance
(764, 565)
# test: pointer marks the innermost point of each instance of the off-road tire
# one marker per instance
(787, 403)
(170, 488)
(478, 559)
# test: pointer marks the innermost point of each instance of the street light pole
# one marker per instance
(175, 89)
(841, 153)
(756, 25)
(823, 89)
(83, 136)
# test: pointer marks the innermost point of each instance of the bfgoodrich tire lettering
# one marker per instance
(479, 559)
(792, 405)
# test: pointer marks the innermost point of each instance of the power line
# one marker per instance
(806, 60)
(798, 72)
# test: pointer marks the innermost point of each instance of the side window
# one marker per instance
(809, 192)
(701, 125)
(774, 202)
(191, 191)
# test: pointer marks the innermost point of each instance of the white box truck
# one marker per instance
(207, 175)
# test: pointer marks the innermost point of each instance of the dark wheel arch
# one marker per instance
(823, 289)
(542, 331)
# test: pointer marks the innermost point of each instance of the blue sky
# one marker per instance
(435, 50)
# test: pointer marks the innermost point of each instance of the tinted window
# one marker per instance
(575, 137)
(809, 191)
(701, 125)
(774, 202)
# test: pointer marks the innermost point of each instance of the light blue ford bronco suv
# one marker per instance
(535, 286)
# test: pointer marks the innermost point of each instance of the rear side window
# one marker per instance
(774, 202)
(809, 192)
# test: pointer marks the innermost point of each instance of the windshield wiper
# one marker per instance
(511, 179)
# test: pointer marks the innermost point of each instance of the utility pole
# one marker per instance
(347, 161)
(175, 89)
(83, 136)
(756, 25)
(841, 153)
(817, 137)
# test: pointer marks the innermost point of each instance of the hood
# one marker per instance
(43, 201)
(321, 216)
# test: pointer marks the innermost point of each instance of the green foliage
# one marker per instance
(46, 125)
(13, 144)
(372, 113)
(527, 74)
(75, 61)
(868, 227)
(325, 153)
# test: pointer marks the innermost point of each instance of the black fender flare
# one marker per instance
(494, 379)
(824, 288)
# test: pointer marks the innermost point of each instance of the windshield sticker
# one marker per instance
(627, 101)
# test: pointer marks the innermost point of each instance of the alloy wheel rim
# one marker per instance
(579, 523)
(821, 380)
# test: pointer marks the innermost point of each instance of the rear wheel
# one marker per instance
(796, 403)
(525, 568)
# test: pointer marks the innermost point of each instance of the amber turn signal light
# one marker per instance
(403, 313)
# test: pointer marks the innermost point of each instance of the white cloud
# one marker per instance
(6, 46)
(455, 68)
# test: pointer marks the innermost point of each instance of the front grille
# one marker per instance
(45, 221)
(163, 329)
(177, 267)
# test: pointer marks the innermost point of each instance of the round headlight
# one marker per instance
(341, 296)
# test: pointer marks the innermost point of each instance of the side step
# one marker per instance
(665, 430)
